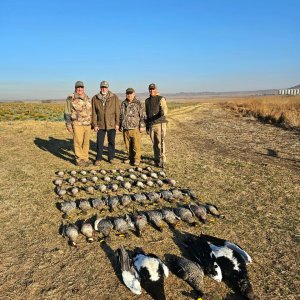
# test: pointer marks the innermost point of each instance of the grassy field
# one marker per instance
(283, 111)
(249, 169)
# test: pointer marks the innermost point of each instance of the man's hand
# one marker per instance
(96, 128)
(117, 127)
(142, 129)
(70, 129)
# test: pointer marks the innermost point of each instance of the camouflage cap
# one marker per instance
(79, 84)
(104, 84)
(152, 86)
(130, 91)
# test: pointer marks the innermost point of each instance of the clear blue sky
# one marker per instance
(183, 46)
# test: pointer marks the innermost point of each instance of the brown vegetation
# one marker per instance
(279, 110)
(249, 169)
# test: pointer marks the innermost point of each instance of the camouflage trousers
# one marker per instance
(81, 139)
(132, 140)
(157, 135)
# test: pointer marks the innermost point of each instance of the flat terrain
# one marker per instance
(248, 169)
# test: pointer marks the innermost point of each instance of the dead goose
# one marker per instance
(170, 181)
(139, 169)
(155, 218)
(132, 176)
(71, 180)
(154, 197)
(104, 226)
(140, 221)
(83, 180)
(73, 173)
(60, 191)
(149, 183)
(213, 210)
(113, 202)
(144, 176)
(199, 211)
(120, 178)
(93, 172)
(83, 172)
(140, 184)
(167, 195)
(159, 182)
(84, 205)
(102, 188)
(190, 193)
(98, 203)
(170, 217)
(103, 172)
(127, 185)
(74, 191)
(90, 190)
(71, 231)
(185, 215)
(58, 182)
(88, 231)
(153, 175)
(123, 225)
(94, 179)
(177, 194)
(107, 179)
(140, 198)
(114, 187)
(162, 174)
(187, 270)
(131, 170)
(68, 207)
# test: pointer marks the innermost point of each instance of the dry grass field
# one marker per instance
(250, 170)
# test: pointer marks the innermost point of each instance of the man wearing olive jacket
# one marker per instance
(105, 119)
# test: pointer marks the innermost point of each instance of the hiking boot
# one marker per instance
(126, 161)
(97, 162)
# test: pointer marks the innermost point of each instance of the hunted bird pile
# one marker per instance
(103, 203)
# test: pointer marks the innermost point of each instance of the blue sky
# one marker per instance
(183, 46)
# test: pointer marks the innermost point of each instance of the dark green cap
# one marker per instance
(104, 84)
(79, 84)
(130, 91)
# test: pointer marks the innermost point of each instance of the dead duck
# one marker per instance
(60, 191)
(139, 169)
(84, 205)
(98, 203)
(71, 180)
(73, 172)
(130, 275)
(103, 172)
(185, 215)
(140, 198)
(60, 173)
(213, 210)
(144, 176)
(102, 188)
(93, 172)
(154, 197)
(140, 184)
(177, 194)
(152, 272)
(83, 172)
(170, 217)
(140, 221)
(71, 231)
(155, 218)
(68, 207)
(122, 226)
(83, 180)
(90, 190)
(58, 182)
(167, 195)
(162, 174)
(132, 176)
(114, 187)
(113, 202)
(187, 270)
(120, 178)
(170, 181)
(127, 185)
(94, 179)
(104, 226)
(88, 231)
(74, 191)
(153, 175)
(159, 182)
(107, 179)
(199, 211)
(149, 183)
(124, 200)
(190, 193)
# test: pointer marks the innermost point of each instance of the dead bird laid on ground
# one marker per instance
(187, 270)
(88, 231)
(170, 217)
(71, 231)
(84, 205)
(123, 225)
(154, 197)
(190, 193)
(68, 207)
(177, 194)
(185, 215)
(98, 203)
(127, 185)
(146, 270)
(104, 226)
(60, 191)
(140, 221)
(199, 211)
(140, 198)
(167, 195)
(213, 210)
(155, 218)
(74, 191)
(113, 202)
(124, 200)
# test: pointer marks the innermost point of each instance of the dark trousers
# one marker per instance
(111, 137)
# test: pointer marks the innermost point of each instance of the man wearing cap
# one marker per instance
(105, 119)
(156, 122)
(78, 117)
(132, 124)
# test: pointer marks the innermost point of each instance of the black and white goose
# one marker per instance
(145, 270)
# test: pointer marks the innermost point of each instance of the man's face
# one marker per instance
(79, 90)
(152, 92)
(104, 90)
(130, 97)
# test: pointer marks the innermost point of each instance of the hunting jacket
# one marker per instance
(105, 111)
(156, 110)
(78, 110)
(132, 115)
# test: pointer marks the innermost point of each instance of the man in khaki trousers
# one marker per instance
(156, 122)
(132, 124)
(78, 116)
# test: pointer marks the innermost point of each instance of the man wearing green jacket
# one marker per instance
(78, 117)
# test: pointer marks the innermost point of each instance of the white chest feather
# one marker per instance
(225, 252)
(150, 263)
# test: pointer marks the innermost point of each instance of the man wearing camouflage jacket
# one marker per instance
(132, 124)
(78, 117)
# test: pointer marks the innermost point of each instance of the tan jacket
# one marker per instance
(105, 114)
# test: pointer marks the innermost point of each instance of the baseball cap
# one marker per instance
(104, 84)
(130, 91)
(79, 84)
(152, 86)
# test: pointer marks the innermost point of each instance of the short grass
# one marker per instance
(247, 168)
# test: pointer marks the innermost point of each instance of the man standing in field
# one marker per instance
(156, 122)
(132, 124)
(78, 116)
(105, 119)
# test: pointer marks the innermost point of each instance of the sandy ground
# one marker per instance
(250, 170)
